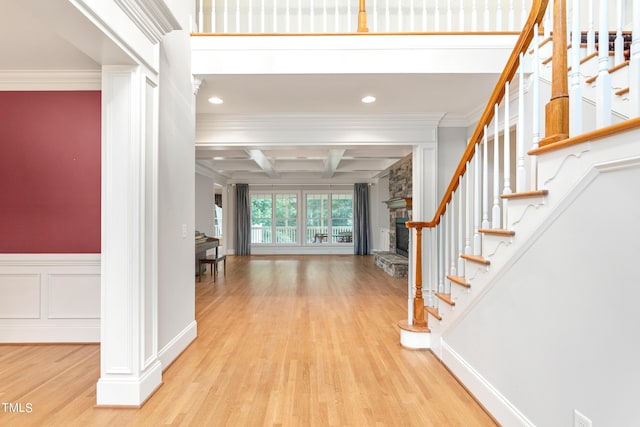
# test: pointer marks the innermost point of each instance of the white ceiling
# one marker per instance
(28, 44)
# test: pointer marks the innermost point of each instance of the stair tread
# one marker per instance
(525, 194)
(477, 259)
(459, 280)
(497, 231)
(446, 298)
(622, 91)
(403, 324)
(434, 312)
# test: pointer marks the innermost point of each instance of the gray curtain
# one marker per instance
(361, 225)
(243, 220)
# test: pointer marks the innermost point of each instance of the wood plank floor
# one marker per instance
(283, 341)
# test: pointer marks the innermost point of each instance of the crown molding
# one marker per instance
(152, 17)
(50, 80)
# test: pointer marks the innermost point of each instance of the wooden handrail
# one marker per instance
(535, 17)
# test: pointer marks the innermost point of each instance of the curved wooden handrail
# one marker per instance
(538, 9)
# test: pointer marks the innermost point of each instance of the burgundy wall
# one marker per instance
(50, 172)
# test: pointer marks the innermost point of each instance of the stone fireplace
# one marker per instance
(394, 261)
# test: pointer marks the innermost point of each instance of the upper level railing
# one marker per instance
(346, 16)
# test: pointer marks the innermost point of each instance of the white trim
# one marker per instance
(494, 402)
(131, 392)
(46, 333)
(178, 344)
(50, 80)
(152, 17)
(415, 340)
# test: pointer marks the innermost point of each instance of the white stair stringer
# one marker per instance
(562, 172)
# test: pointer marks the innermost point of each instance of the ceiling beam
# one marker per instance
(331, 162)
(264, 163)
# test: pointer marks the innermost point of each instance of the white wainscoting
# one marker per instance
(49, 298)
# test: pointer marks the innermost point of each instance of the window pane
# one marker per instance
(261, 218)
(342, 218)
(317, 218)
(286, 218)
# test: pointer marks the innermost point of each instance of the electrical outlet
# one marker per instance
(579, 420)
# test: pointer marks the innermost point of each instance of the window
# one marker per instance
(329, 218)
(274, 215)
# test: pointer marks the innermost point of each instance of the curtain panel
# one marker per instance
(243, 220)
(361, 224)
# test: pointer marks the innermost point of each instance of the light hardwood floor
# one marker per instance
(282, 341)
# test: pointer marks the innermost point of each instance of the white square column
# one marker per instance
(129, 370)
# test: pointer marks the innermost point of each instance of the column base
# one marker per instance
(128, 391)
(414, 337)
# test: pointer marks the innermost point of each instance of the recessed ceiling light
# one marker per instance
(369, 99)
(216, 100)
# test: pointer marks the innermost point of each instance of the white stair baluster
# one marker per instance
(436, 17)
(287, 17)
(324, 16)
(399, 16)
(447, 248)
(521, 173)
(275, 17)
(375, 15)
(237, 16)
(452, 229)
(507, 157)
(461, 16)
(337, 17)
(461, 210)
(634, 63)
(424, 15)
(495, 212)
(523, 14)
(250, 17)
(474, 16)
(200, 17)
(430, 264)
(387, 16)
(575, 92)
(299, 16)
(486, 16)
(225, 16)
(449, 16)
(485, 178)
(441, 255)
(468, 209)
(348, 16)
(499, 16)
(548, 20)
(213, 16)
(262, 13)
(512, 19)
(312, 14)
(603, 82)
(412, 17)
(619, 43)
(477, 207)
(591, 33)
(535, 119)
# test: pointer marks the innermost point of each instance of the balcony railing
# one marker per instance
(288, 235)
(340, 16)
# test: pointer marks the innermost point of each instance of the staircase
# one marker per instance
(511, 239)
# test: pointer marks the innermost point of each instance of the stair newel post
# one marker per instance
(603, 83)
(575, 108)
(362, 18)
(521, 173)
(557, 109)
(485, 178)
(418, 300)
(495, 212)
(634, 63)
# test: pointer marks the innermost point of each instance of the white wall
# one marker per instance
(204, 202)
(379, 213)
(176, 198)
(451, 145)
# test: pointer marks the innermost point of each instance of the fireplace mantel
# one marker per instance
(399, 203)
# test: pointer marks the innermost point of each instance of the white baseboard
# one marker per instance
(497, 404)
(50, 334)
(178, 344)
